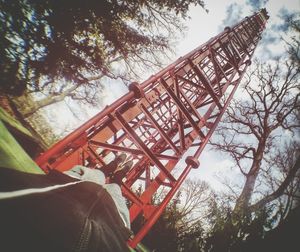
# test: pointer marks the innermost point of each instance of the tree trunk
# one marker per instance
(243, 201)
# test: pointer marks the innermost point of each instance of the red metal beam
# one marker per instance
(160, 119)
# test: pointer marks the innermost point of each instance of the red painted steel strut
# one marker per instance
(156, 123)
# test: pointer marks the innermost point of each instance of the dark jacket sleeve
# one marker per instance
(80, 217)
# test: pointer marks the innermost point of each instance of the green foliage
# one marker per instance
(12, 155)
(172, 232)
(192, 240)
(219, 231)
(235, 233)
(163, 236)
(45, 41)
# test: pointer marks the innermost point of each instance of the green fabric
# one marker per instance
(7, 118)
(139, 248)
(12, 154)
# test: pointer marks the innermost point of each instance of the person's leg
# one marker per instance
(113, 165)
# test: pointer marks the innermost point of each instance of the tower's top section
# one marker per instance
(263, 12)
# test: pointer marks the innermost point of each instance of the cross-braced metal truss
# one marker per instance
(156, 122)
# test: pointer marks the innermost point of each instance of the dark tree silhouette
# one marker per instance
(63, 48)
(293, 23)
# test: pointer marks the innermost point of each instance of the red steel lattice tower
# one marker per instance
(156, 122)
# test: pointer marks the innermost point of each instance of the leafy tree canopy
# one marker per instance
(45, 41)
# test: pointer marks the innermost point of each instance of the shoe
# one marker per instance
(110, 168)
(121, 173)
